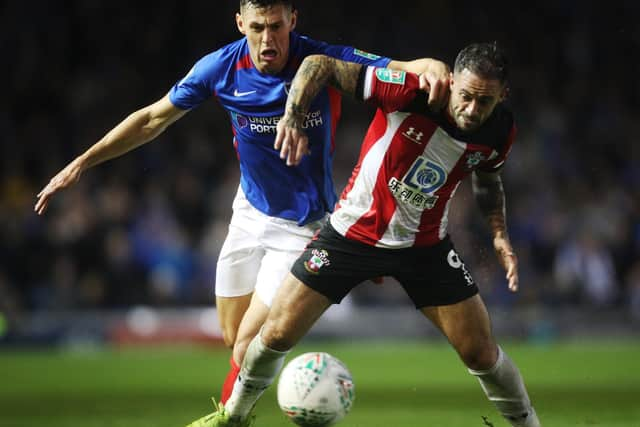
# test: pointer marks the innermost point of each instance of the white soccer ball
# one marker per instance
(315, 390)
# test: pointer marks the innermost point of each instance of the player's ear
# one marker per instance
(240, 24)
(294, 19)
(505, 93)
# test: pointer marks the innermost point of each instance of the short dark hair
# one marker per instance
(486, 60)
(262, 4)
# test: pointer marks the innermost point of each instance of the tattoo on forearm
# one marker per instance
(314, 73)
(489, 194)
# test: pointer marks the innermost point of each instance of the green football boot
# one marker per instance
(221, 418)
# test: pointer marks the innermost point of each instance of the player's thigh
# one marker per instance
(284, 241)
(238, 263)
(236, 272)
(467, 326)
(295, 309)
(434, 275)
(251, 323)
(274, 268)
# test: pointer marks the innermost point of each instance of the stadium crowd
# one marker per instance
(146, 228)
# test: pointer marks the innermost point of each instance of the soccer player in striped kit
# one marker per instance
(280, 203)
(391, 219)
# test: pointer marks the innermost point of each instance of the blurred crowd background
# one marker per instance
(146, 229)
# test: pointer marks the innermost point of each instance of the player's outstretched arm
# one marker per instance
(314, 73)
(140, 127)
(434, 78)
(489, 193)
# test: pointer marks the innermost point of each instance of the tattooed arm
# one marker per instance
(315, 72)
(489, 194)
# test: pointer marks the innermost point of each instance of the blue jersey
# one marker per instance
(255, 102)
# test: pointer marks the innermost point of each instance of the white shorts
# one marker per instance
(258, 252)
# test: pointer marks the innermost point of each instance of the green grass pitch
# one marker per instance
(398, 384)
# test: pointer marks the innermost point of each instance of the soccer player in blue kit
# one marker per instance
(283, 195)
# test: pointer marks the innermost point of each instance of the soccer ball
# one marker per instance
(315, 390)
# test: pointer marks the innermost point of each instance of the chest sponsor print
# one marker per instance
(417, 187)
(269, 125)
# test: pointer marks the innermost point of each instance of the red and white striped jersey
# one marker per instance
(411, 163)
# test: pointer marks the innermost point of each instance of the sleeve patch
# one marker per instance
(390, 76)
(367, 55)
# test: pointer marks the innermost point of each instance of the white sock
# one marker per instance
(504, 386)
(259, 368)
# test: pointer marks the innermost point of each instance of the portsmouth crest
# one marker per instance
(319, 258)
(239, 120)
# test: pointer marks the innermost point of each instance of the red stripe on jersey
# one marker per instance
(244, 62)
(399, 157)
(335, 110)
(377, 128)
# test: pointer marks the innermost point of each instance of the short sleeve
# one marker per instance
(390, 90)
(198, 85)
(345, 53)
(496, 164)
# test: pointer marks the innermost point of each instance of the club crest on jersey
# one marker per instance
(364, 54)
(474, 159)
(390, 76)
(240, 120)
(319, 258)
(413, 135)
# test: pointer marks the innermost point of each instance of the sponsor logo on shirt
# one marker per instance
(390, 76)
(319, 258)
(410, 196)
(263, 125)
(367, 55)
(425, 176)
(414, 135)
(418, 185)
(241, 94)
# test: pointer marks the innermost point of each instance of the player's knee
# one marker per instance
(276, 337)
(240, 349)
(229, 336)
(479, 355)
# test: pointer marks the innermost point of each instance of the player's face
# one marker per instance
(473, 99)
(267, 30)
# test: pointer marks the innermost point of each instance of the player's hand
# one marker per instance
(291, 140)
(508, 260)
(435, 80)
(66, 177)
